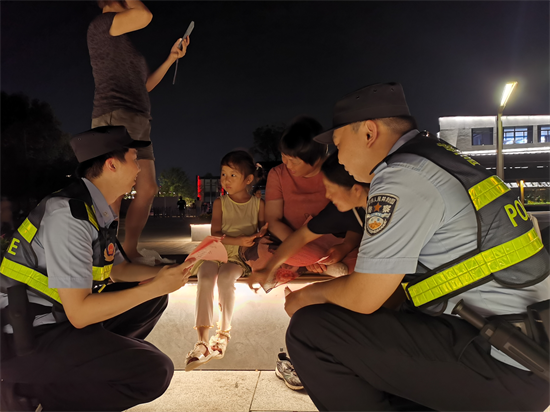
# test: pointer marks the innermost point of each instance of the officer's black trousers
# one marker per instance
(353, 362)
(101, 367)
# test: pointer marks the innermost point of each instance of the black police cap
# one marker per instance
(371, 102)
(102, 140)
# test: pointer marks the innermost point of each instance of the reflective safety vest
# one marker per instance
(508, 251)
(20, 264)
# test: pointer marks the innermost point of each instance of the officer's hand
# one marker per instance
(258, 278)
(334, 255)
(169, 279)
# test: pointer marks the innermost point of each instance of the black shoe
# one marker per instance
(285, 371)
(12, 401)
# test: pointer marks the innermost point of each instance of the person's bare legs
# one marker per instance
(138, 212)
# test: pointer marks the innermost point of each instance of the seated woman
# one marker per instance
(345, 213)
(294, 194)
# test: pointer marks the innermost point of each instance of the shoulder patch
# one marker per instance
(380, 210)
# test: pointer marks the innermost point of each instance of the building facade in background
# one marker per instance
(526, 148)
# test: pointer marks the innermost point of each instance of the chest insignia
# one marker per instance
(380, 210)
(109, 253)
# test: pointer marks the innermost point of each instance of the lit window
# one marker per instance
(518, 135)
(482, 136)
(544, 134)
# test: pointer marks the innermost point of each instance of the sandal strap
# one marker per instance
(203, 343)
(224, 333)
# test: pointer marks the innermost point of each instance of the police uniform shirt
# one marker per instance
(65, 246)
(419, 213)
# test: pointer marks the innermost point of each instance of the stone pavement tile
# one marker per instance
(273, 395)
(198, 391)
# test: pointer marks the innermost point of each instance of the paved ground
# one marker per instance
(228, 391)
(225, 390)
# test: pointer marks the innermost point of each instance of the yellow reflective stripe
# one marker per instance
(486, 191)
(103, 273)
(32, 278)
(91, 216)
(476, 268)
(27, 230)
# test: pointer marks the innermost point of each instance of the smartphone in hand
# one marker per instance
(187, 33)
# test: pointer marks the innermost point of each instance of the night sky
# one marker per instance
(255, 63)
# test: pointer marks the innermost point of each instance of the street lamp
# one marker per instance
(500, 135)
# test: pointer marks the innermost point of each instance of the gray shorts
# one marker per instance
(138, 125)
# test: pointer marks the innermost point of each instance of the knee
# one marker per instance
(159, 377)
(304, 322)
(226, 283)
(206, 278)
(147, 190)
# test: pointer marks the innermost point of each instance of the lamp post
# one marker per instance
(500, 134)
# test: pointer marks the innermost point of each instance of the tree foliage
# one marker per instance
(36, 155)
(174, 182)
(266, 142)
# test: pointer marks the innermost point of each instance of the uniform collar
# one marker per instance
(400, 142)
(104, 213)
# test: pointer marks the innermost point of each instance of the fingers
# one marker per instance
(316, 268)
(188, 263)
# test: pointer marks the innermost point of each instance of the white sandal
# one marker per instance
(221, 344)
(195, 358)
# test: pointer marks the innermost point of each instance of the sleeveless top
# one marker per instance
(238, 219)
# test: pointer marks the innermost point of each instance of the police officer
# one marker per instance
(73, 339)
(445, 229)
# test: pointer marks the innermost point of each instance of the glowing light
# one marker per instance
(525, 150)
(199, 232)
(508, 89)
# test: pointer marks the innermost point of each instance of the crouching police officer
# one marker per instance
(74, 312)
(459, 234)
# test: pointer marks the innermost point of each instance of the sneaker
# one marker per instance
(286, 372)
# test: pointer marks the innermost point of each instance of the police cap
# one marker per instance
(102, 140)
(371, 102)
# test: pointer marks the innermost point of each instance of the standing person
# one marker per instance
(236, 216)
(426, 201)
(122, 86)
(182, 205)
(80, 345)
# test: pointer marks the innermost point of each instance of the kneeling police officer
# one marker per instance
(74, 312)
(457, 241)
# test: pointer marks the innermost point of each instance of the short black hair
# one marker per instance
(337, 174)
(297, 140)
(240, 160)
(93, 168)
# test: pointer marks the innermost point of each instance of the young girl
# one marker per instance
(237, 216)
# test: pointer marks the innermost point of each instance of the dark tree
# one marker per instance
(174, 182)
(266, 142)
(36, 155)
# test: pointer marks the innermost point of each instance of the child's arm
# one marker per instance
(216, 228)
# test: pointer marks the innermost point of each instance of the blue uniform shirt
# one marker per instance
(65, 246)
(432, 222)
